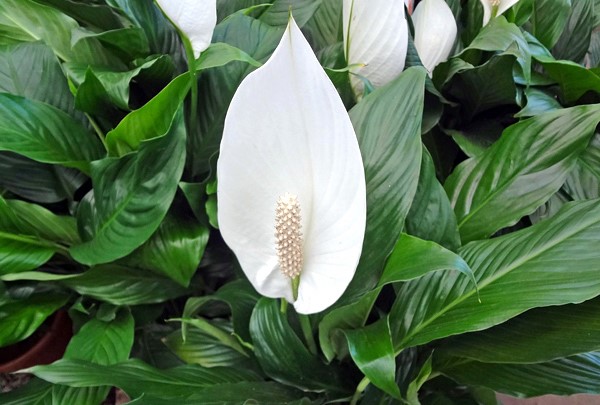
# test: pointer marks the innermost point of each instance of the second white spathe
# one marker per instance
(435, 32)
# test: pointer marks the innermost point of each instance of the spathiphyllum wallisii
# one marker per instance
(195, 19)
(291, 191)
(494, 8)
(435, 32)
(375, 41)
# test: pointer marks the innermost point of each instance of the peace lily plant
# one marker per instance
(291, 190)
(233, 207)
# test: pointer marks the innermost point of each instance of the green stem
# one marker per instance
(98, 130)
(295, 285)
(284, 305)
(189, 53)
(362, 385)
(307, 331)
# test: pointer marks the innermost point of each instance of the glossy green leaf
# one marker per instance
(103, 342)
(520, 171)
(130, 199)
(575, 39)
(388, 128)
(536, 336)
(115, 284)
(31, 21)
(97, 15)
(583, 182)
(431, 216)
(202, 349)
(571, 375)
(508, 271)
(278, 13)
(538, 102)
(137, 378)
(548, 20)
(20, 318)
(151, 121)
(101, 90)
(372, 351)
(36, 392)
(220, 54)
(351, 316)
(45, 133)
(413, 257)
(574, 79)
(128, 43)
(174, 250)
(39, 182)
(46, 82)
(283, 356)
(325, 27)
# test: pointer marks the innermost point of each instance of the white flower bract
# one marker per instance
(196, 19)
(289, 153)
(501, 7)
(375, 40)
(435, 32)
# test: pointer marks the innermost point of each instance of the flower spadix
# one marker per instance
(375, 41)
(435, 32)
(196, 19)
(493, 8)
(291, 190)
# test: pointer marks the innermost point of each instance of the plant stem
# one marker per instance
(189, 53)
(362, 385)
(283, 307)
(307, 331)
(98, 130)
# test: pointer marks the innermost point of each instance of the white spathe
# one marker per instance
(501, 7)
(435, 32)
(375, 40)
(196, 19)
(288, 132)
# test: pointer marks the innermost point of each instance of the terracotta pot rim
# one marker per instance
(46, 349)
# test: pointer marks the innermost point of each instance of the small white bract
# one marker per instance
(494, 8)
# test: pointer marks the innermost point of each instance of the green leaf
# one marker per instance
(241, 298)
(538, 102)
(278, 14)
(36, 391)
(520, 171)
(38, 182)
(137, 378)
(96, 15)
(45, 133)
(48, 84)
(536, 336)
(203, 349)
(102, 89)
(583, 183)
(283, 356)
(571, 375)
(151, 121)
(508, 271)
(131, 196)
(575, 39)
(372, 351)
(129, 43)
(431, 216)
(103, 342)
(351, 316)
(174, 250)
(114, 284)
(31, 21)
(388, 128)
(548, 20)
(220, 54)
(413, 257)
(20, 318)
(325, 27)
(574, 80)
